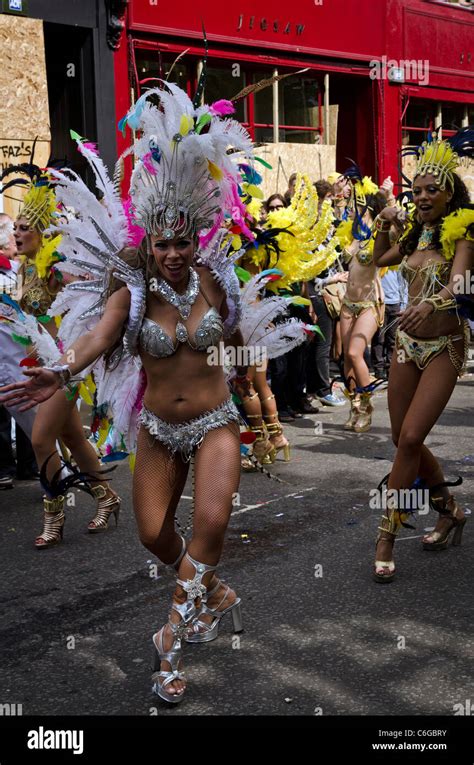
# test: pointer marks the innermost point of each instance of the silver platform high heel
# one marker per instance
(202, 632)
(194, 589)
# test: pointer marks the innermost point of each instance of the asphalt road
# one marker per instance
(320, 636)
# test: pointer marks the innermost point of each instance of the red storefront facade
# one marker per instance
(347, 47)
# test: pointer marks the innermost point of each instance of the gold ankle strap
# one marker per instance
(268, 398)
(250, 398)
(99, 491)
(259, 431)
(274, 428)
(391, 524)
(54, 505)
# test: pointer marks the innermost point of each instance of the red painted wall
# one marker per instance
(330, 35)
(346, 28)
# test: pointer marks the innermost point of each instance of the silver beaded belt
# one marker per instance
(187, 436)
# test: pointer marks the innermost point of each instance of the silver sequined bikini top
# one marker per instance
(155, 341)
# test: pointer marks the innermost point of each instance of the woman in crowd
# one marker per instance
(436, 255)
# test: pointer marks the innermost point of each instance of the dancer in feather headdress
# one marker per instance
(170, 312)
(41, 282)
(363, 304)
(436, 256)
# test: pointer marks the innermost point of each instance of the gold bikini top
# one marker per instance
(434, 275)
(36, 296)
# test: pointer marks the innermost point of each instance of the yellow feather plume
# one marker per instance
(307, 253)
(47, 256)
(456, 226)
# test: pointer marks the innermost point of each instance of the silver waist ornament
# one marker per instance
(185, 437)
(184, 302)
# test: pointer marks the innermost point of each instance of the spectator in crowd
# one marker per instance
(324, 191)
(291, 188)
(325, 303)
(11, 354)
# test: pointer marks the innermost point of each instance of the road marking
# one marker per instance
(246, 508)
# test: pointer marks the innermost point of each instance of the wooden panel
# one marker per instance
(24, 97)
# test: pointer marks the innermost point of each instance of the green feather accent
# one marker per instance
(243, 275)
(44, 319)
(317, 328)
(262, 162)
(203, 120)
(21, 340)
(70, 391)
(75, 136)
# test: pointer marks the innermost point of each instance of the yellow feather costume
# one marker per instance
(304, 251)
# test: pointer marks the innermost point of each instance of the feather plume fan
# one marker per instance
(258, 316)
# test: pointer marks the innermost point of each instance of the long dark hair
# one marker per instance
(375, 204)
(460, 200)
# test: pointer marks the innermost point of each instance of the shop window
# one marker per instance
(151, 64)
(298, 109)
(420, 119)
(299, 97)
(225, 82)
(453, 115)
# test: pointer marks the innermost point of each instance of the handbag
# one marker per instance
(333, 295)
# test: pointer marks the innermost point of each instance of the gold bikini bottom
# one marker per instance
(422, 351)
(356, 308)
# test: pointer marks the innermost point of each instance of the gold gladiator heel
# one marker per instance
(392, 521)
(275, 432)
(384, 570)
(263, 449)
(437, 540)
(52, 533)
(354, 399)
(105, 508)
(364, 417)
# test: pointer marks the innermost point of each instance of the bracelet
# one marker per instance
(439, 303)
(63, 371)
(382, 225)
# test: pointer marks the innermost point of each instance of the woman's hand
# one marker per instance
(389, 213)
(28, 393)
(387, 188)
(415, 315)
(342, 276)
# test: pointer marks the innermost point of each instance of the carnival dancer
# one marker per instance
(435, 254)
(362, 306)
(172, 311)
(40, 282)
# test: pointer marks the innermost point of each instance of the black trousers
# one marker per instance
(25, 456)
(319, 351)
(288, 372)
(383, 342)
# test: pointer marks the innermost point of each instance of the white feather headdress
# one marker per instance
(187, 171)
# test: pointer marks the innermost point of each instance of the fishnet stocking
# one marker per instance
(159, 480)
